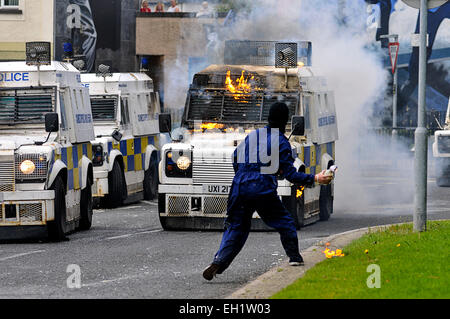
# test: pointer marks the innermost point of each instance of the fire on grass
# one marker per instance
(332, 253)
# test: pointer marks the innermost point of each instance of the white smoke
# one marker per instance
(345, 54)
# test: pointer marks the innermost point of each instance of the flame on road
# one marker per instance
(332, 253)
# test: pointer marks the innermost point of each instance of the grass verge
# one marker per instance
(412, 265)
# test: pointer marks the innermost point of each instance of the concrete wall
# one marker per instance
(124, 58)
(178, 39)
(192, 6)
(33, 21)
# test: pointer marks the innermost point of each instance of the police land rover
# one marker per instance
(441, 152)
(46, 126)
(225, 103)
(125, 110)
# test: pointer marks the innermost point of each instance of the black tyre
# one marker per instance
(57, 227)
(117, 187)
(151, 180)
(325, 202)
(296, 206)
(161, 209)
(86, 207)
(443, 172)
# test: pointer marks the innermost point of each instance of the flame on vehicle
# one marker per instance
(300, 191)
(242, 85)
(210, 126)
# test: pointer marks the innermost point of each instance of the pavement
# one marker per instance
(283, 275)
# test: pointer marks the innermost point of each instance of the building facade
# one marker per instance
(176, 46)
(170, 47)
(24, 21)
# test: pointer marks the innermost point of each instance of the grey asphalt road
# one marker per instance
(126, 254)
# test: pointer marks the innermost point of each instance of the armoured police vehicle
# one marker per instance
(125, 111)
(225, 103)
(46, 127)
(441, 152)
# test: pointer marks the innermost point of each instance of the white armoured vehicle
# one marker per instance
(125, 111)
(224, 104)
(441, 152)
(45, 152)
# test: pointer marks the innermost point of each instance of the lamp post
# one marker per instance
(421, 134)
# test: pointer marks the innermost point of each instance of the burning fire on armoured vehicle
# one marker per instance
(242, 85)
(224, 103)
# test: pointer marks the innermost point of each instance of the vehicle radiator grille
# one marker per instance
(30, 212)
(208, 171)
(215, 205)
(178, 205)
(7, 181)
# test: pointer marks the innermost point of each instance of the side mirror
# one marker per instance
(298, 125)
(165, 123)
(116, 135)
(51, 122)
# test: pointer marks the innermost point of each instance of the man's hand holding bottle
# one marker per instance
(326, 176)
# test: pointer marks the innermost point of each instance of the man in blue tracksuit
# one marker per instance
(257, 161)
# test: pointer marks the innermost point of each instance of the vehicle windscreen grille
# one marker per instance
(291, 101)
(443, 143)
(24, 107)
(226, 107)
(206, 106)
(104, 109)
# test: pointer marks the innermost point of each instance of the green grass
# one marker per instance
(413, 265)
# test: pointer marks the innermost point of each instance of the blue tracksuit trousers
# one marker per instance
(237, 226)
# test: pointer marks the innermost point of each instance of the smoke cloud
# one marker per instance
(346, 54)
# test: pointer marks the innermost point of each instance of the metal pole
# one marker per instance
(394, 140)
(420, 156)
(394, 102)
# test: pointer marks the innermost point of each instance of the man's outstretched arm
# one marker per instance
(288, 171)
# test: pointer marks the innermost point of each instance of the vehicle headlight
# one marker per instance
(27, 167)
(183, 163)
(178, 165)
(98, 156)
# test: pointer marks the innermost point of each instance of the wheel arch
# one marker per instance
(87, 173)
(58, 169)
(150, 152)
(326, 161)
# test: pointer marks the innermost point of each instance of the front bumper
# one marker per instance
(192, 201)
(26, 208)
(100, 185)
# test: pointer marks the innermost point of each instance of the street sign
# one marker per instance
(431, 3)
(393, 54)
